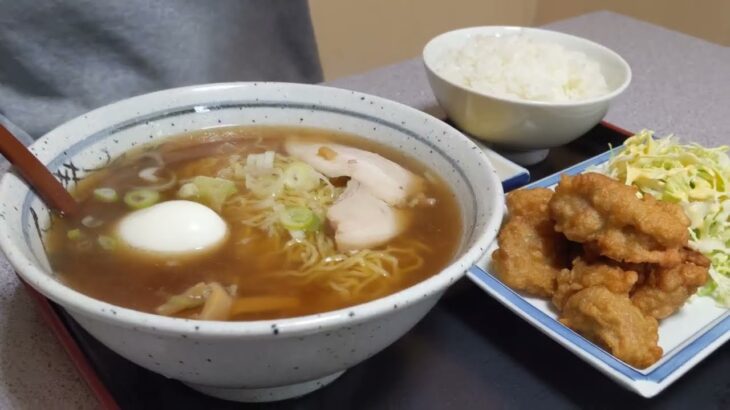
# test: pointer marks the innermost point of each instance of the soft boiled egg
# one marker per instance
(173, 229)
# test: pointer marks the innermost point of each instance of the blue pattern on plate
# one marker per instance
(515, 182)
(701, 340)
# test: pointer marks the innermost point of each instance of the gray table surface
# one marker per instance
(681, 85)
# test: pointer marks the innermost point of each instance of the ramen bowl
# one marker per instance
(522, 129)
(262, 360)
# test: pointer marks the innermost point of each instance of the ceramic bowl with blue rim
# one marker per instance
(256, 360)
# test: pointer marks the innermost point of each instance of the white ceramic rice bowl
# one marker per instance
(516, 124)
(260, 360)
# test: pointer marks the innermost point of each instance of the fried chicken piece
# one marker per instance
(665, 290)
(530, 252)
(530, 203)
(612, 321)
(598, 272)
(696, 258)
(605, 214)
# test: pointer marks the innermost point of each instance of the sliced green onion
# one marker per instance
(149, 174)
(141, 198)
(84, 245)
(265, 185)
(299, 219)
(91, 222)
(299, 176)
(74, 234)
(107, 242)
(260, 162)
(106, 195)
(164, 183)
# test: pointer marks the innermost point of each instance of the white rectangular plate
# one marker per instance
(687, 337)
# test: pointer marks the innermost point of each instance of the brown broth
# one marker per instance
(139, 284)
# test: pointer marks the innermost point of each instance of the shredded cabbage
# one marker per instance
(211, 191)
(696, 178)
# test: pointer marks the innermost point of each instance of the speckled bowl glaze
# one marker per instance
(523, 130)
(258, 360)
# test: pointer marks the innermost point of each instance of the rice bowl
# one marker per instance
(521, 129)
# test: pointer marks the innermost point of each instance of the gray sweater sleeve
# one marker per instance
(59, 59)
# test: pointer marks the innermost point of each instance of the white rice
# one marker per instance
(521, 67)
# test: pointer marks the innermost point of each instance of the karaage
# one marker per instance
(611, 320)
(664, 290)
(586, 273)
(530, 253)
(613, 262)
(603, 213)
(530, 203)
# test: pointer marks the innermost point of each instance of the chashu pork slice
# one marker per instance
(363, 221)
(385, 179)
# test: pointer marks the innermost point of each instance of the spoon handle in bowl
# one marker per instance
(36, 174)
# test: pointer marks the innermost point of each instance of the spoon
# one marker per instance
(36, 174)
